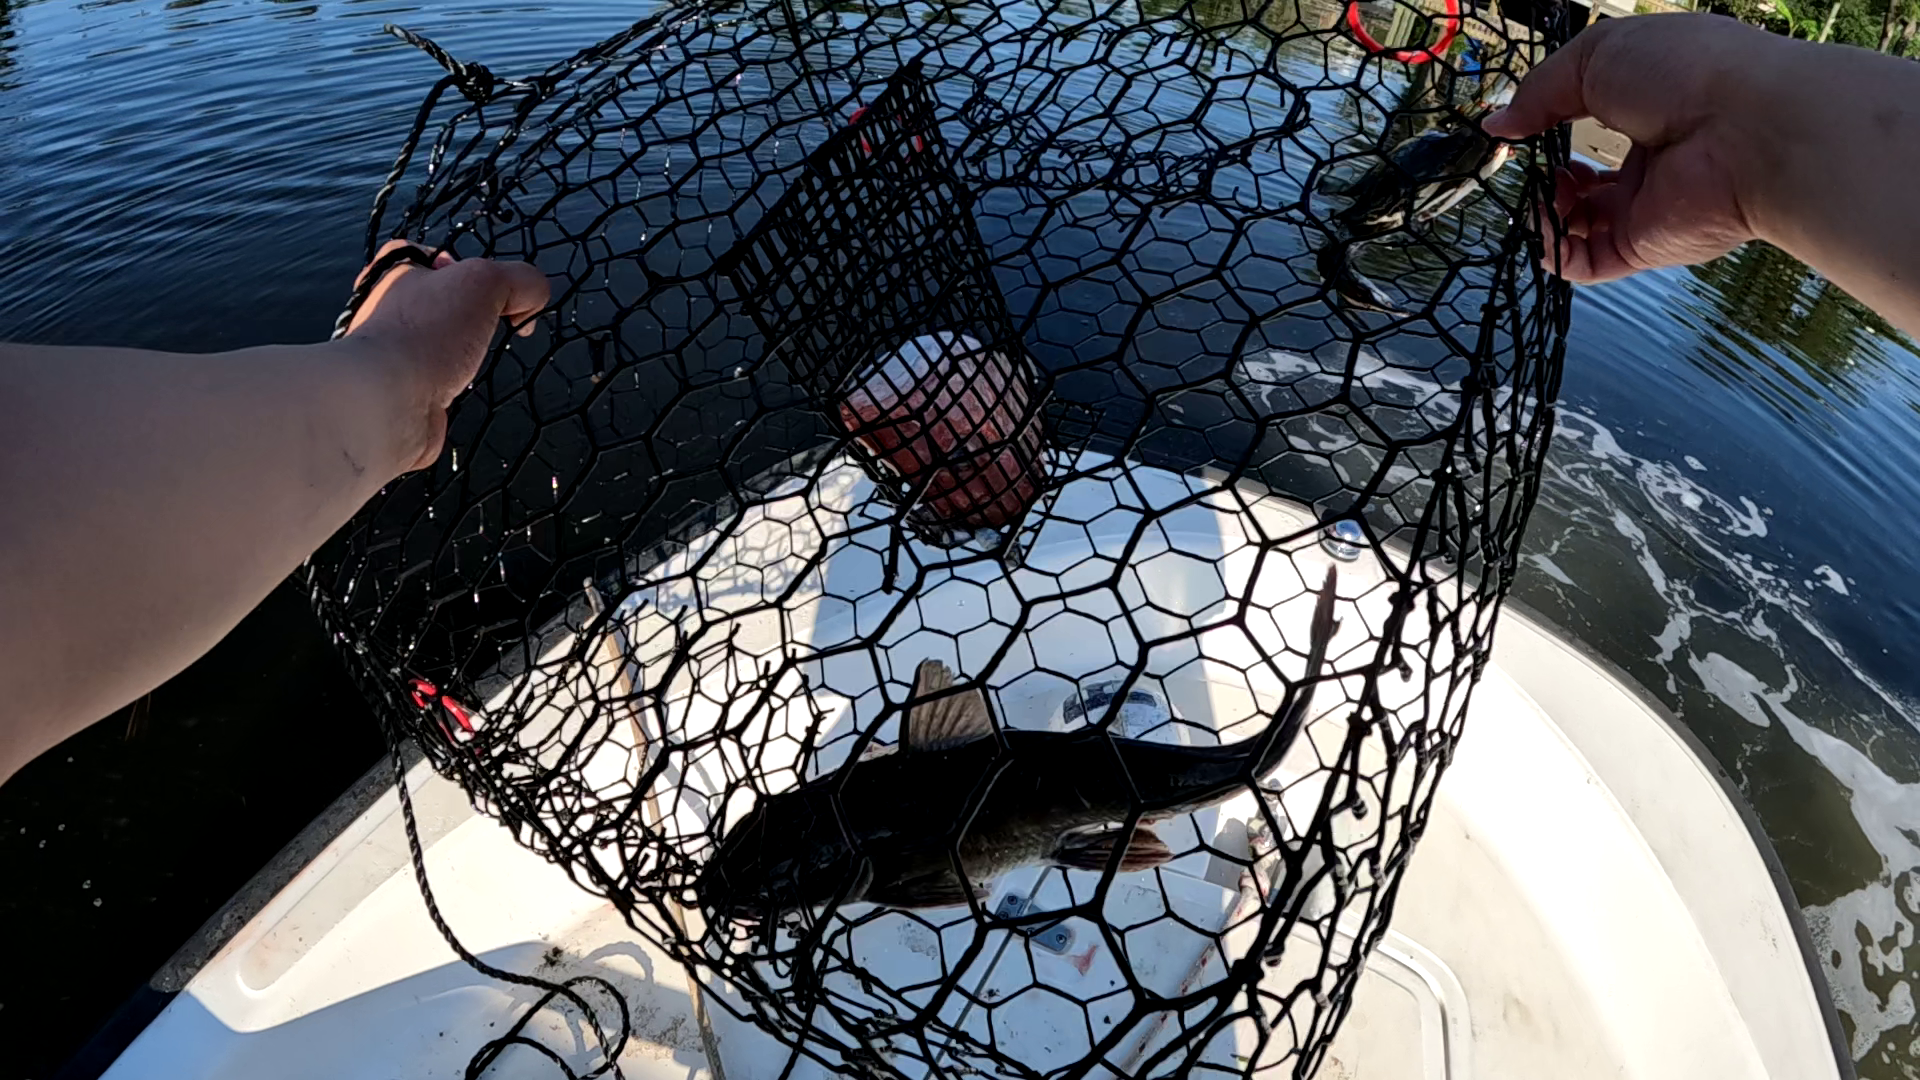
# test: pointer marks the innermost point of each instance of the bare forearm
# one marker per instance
(1835, 132)
(149, 500)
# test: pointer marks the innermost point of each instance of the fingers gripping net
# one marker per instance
(985, 558)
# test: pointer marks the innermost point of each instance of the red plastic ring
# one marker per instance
(1448, 31)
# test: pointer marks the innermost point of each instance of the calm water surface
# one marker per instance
(1729, 516)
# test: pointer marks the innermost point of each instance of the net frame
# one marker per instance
(895, 172)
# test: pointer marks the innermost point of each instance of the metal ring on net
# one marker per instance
(986, 556)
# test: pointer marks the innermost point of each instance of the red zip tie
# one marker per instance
(424, 693)
(915, 141)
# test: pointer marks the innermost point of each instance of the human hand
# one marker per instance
(1683, 88)
(428, 330)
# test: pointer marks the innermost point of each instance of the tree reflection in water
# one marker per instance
(7, 33)
(1771, 319)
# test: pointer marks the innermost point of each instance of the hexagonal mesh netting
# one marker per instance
(985, 558)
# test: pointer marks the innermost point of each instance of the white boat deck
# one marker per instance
(1587, 902)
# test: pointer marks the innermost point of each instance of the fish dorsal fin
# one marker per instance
(948, 720)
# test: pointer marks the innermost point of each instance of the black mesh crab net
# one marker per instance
(985, 558)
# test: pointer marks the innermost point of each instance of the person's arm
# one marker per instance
(149, 500)
(1738, 135)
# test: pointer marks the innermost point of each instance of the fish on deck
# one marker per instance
(962, 802)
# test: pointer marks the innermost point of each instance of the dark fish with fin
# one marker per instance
(961, 803)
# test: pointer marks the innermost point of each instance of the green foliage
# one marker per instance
(1759, 293)
(1747, 11)
(1859, 25)
(1858, 21)
(1795, 23)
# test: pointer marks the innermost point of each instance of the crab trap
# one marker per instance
(985, 557)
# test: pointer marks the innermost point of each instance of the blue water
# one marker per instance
(1728, 515)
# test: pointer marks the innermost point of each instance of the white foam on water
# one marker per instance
(1865, 938)
(1547, 566)
(1869, 928)
(1703, 521)
(1272, 377)
(1831, 578)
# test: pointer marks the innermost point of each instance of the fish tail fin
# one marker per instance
(1211, 773)
(1294, 712)
(1352, 288)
